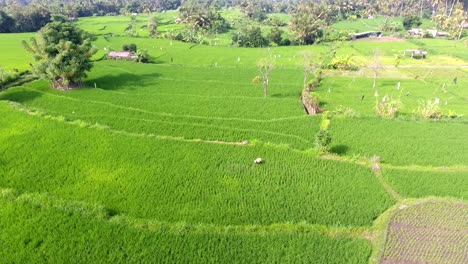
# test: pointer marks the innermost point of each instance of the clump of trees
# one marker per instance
(62, 53)
(309, 20)
(250, 36)
(411, 21)
(202, 19)
(130, 47)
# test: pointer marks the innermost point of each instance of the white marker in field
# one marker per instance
(398, 85)
(238, 59)
(437, 100)
(95, 86)
(376, 94)
(258, 161)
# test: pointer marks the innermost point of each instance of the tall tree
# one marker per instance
(153, 26)
(62, 53)
(7, 23)
(309, 19)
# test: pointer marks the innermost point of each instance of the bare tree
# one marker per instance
(376, 66)
(313, 68)
(265, 66)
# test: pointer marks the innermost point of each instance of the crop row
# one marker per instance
(433, 232)
(401, 142)
(42, 234)
(436, 182)
(179, 181)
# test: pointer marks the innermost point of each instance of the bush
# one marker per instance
(343, 63)
(429, 109)
(276, 35)
(346, 111)
(285, 42)
(337, 35)
(143, 56)
(130, 47)
(387, 107)
(390, 26)
(411, 22)
(250, 37)
(323, 139)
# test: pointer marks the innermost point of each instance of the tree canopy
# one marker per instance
(62, 53)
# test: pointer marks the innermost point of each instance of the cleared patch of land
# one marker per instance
(431, 232)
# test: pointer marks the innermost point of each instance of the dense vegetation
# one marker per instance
(155, 162)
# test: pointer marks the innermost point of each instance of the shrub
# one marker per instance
(285, 42)
(346, 111)
(343, 63)
(276, 35)
(250, 37)
(411, 22)
(130, 47)
(429, 109)
(387, 107)
(143, 56)
(390, 26)
(323, 139)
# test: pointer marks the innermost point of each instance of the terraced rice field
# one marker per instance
(154, 162)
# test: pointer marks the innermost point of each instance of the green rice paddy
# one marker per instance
(154, 162)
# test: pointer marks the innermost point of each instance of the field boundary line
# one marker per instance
(454, 168)
(388, 188)
(167, 114)
(378, 173)
(108, 215)
(83, 123)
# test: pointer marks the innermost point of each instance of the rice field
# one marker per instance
(154, 162)
(432, 232)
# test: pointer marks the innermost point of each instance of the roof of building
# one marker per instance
(122, 54)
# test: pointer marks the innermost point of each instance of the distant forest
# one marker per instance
(31, 15)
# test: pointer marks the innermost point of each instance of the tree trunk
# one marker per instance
(265, 87)
(451, 9)
(375, 80)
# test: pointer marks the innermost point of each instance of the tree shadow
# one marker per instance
(122, 81)
(20, 95)
(286, 95)
(339, 149)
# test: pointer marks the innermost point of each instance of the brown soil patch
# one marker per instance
(387, 39)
